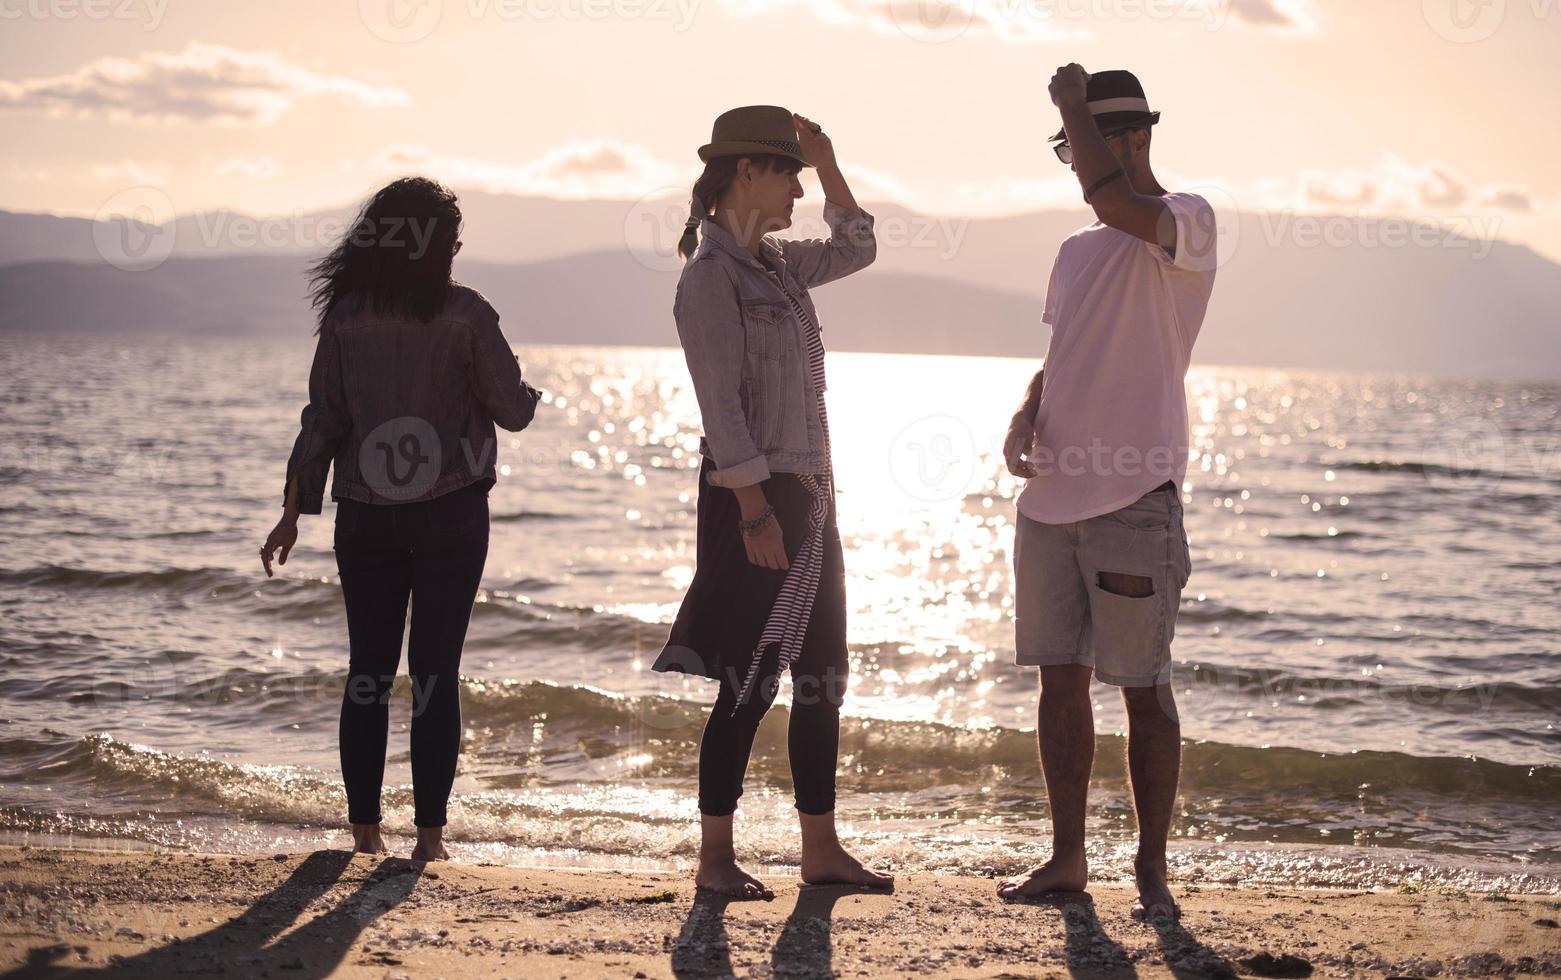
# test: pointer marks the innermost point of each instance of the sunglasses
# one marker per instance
(1065, 152)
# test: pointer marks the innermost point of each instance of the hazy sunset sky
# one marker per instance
(1430, 109)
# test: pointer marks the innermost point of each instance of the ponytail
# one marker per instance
(718, 176)
(696, 213)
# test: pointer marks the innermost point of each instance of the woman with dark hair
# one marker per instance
(410, 374)
(768, 593)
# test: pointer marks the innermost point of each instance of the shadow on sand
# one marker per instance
(702, 948)
(248, 944)
(803, 949)
(1093, 955)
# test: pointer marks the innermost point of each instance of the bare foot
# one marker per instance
(834, 866)
(724, 877)
(366, 839)
(430, 852)
(1154, 894)
(1056, 875)
(430, 845)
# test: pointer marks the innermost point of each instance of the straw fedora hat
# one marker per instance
(751, 130)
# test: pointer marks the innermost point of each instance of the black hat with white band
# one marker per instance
(1115, 99)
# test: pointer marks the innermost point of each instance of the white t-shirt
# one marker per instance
(1112, 423)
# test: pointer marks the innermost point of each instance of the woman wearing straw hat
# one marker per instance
(768, 594)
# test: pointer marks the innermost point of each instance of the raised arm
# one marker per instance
(496, 379)
(851, 245)
(1115, 201)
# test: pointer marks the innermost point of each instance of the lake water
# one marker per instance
(1367, 661)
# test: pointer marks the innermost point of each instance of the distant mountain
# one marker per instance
(954, 286)
(556, 302)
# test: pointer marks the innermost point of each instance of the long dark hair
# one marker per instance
(397, 255)
(718, 176)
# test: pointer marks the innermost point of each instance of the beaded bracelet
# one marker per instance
(764, 517)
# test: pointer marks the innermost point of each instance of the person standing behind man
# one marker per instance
(1100, 554)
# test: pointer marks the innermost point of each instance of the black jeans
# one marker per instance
(433, 552)
(812, 736)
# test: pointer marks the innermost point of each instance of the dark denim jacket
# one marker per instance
(745, 348)
(406, 409)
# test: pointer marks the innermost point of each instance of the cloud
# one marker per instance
(584, 169)
(1513, 199)
(1442, 189)
(259, 168)
(1394, 186)
(1279, 16)
(1342, 190)
(129, 173)
(204, 83)
(1041, 21)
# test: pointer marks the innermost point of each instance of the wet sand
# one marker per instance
(71, 912)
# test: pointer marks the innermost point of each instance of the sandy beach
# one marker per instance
(74, 912)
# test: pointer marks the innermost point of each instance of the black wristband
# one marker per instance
(1102, 182)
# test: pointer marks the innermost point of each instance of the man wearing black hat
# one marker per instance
(1100, 555)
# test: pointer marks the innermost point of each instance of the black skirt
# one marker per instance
(724, 613)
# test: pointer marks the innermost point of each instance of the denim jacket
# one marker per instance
(745, 348)
(406, 409)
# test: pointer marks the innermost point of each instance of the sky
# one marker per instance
(1441, 111)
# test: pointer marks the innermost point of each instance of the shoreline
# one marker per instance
(74, 911)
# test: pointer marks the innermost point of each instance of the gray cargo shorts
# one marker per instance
(1063, 615)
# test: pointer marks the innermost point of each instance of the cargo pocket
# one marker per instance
(1128, 633)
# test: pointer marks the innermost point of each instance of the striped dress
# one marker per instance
(787, 623)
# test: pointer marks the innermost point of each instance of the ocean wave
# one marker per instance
(1422, 468)
(568, 730)
(528, 515)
